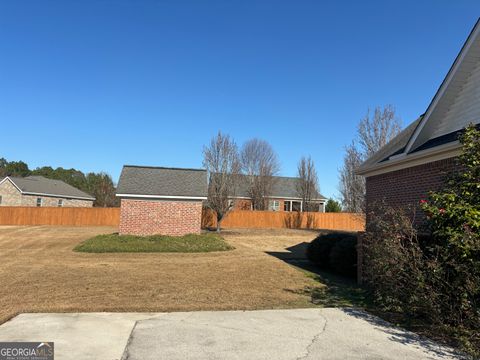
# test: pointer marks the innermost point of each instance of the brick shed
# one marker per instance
(161, 200)
(419, 159)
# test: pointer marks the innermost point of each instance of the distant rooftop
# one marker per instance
(39, 185)
(283, 187)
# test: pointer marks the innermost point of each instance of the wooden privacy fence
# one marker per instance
(13, 215)
(292, 220)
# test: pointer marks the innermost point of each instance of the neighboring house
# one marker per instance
(417, 161)
(39, 191)
(161, 200)
(285, 196)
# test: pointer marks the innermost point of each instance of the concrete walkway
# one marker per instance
(267, 334)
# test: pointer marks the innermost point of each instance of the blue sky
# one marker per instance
(97, 84)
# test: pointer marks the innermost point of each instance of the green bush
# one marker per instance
(319, 252)
(343, 256)
(454, 221)
(333, 206)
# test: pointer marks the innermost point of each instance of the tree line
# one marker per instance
(100, 185)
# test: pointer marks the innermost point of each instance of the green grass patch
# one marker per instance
(334, 290)
(338, 291)
(191, 243)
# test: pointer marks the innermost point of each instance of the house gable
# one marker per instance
(456, 103)
(10, 193)
(433, 137)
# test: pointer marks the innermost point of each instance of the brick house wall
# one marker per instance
(150, 217)
(31, 200)
(12, 197)
(406, 187)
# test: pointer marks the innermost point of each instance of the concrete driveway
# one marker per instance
(265, 334)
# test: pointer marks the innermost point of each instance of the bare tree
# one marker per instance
(373, 133)
(221, 160)
(307, 186)
(352, 186)
(260, 164)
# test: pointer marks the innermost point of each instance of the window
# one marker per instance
(39, 202)
(274, 205)
(296, 206)
(60, 202)
(292, 205)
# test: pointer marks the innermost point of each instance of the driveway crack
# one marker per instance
(314, 340)
(126, 354)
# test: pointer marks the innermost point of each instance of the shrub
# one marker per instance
(333, 206)
(319, 251)
(437, 278)
(343, 256)
(393, 263)
(454, 221)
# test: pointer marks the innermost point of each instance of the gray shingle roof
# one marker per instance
(162, 181)
(41, 185)
(283, 187)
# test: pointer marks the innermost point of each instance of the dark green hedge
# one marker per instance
(335, 251)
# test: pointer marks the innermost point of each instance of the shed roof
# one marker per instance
(166, 182)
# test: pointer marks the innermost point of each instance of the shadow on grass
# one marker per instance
(332, 290)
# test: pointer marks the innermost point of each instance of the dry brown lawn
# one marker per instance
(39, 272)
